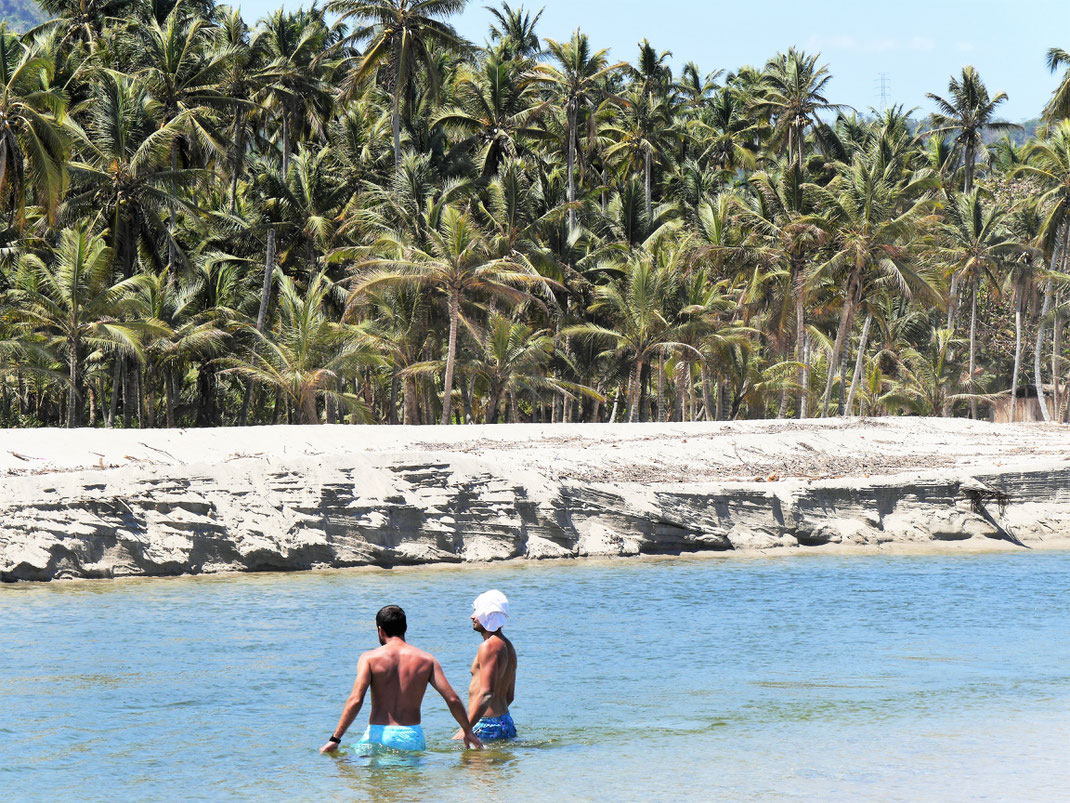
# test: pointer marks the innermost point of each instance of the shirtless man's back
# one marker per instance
(398, 675)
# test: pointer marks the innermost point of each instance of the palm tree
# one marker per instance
(72, 302)
(872, 218)
(496, 111)
(975, 245)
(638, 325)
(458, 264)
(293, 86)
(1058, 107)
(1048, 164)
(640, 134)
(577, 80)
(306, 356)
(127, 175)
(303, 206)
(402, 34)
(515, 358)
(33, 148)
(191, 333)
(514, 32)
(967, 115)
(793, 87)
(785, 234)
(930, 377)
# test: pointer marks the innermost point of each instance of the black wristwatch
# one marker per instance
(334, 739)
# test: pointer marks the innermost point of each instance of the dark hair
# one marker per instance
(392, 620)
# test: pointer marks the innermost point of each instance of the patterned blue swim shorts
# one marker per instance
(495, 729)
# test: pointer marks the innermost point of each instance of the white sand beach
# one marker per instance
(108, 503)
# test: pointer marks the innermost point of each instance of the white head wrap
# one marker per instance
(491, 609)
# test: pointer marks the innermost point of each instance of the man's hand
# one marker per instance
(330, 747)
(470, 740)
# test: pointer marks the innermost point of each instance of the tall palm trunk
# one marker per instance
(846, 318)
(395, 117)
(451, 355)
(261, 316)
(683, 374)
(571, 133)
(848, 409)
(661, 388)
(800, 346)
(973, 342)
(285, 142)
(633, 401)
(411, 415)
(74, 412)
(952, 302)
(647, 179)
(1037, 360)
(969, 168)
(1056, 339)
(1017, 357)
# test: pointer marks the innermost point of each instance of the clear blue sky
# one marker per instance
(918, 44)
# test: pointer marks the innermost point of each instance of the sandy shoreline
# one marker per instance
(99, 504)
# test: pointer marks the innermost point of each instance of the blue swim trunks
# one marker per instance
(396, 737)
(494, 729)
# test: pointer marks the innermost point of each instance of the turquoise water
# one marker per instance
(858, 678)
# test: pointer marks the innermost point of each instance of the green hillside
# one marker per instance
(21, 15)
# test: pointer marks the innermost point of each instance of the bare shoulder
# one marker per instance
(494, 646)
(417, 655)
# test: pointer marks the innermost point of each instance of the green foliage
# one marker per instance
(350, 213)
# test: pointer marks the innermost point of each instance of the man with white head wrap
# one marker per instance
(493, 671)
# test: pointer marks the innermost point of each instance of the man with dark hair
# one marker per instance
(397, 674)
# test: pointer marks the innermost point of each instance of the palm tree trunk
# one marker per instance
(411, 415)
(661, 388)
(800, 348)
(571, 133)
(952, 302)
(451, 355)
(116, 377)
(682, 373)
(1017, 357)
(837, 347)
(1037, 360)
(1056, 339)
(858, 364)
(647, 178)
(74, 414)
(969, 167)
(285, 142)
(633, 402)
(395, 117)
(973, 344)
(707, 398)
(169, 396)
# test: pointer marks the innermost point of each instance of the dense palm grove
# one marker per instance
(352, 214)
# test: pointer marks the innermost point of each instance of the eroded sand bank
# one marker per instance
(94, 503)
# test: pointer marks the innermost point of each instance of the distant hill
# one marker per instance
(21, 15)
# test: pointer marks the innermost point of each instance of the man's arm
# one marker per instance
(489, 658)
(353, 704)
(443, 687)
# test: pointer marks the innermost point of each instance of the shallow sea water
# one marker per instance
(808, 678)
